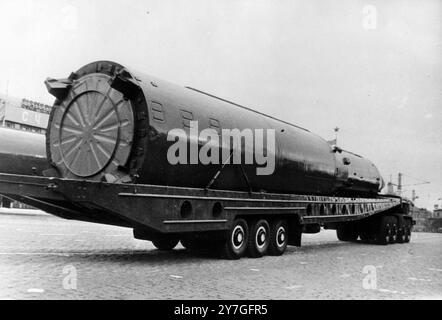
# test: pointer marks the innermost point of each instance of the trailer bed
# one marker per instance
(169, 209)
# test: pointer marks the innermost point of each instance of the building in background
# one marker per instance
(436, 218)
(24, 114)
(428, 221)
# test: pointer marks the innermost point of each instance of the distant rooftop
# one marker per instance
(24, 114)
(25, 104)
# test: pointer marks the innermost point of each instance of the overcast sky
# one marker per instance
(372, 68)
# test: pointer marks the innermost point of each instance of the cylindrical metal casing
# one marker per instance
(22, 152)
(112, 123)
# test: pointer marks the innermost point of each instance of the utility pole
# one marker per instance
(413, 195)
(390, 189)
(399, 184)
(336, 135)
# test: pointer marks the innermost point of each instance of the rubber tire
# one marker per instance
(166, 243)
(227, 248)
(394, 229)
(274, 248)
(347, 233)
(367, 231)
(384, 230)
(401, 231)
(366, 237)
(407, 232)
(199, 244)
(189, 243)
(253, 247)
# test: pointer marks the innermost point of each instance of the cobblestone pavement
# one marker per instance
(49, 258)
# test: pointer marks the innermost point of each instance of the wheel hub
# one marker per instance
(238, 237)
(280, 236)
(261, 237)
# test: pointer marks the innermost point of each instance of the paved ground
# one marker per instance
(49, 258)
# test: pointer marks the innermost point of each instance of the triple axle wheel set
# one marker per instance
(247, 237)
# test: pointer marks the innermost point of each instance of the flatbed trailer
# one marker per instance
(202, 218)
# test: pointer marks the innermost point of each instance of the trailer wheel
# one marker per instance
(189, 243)
(347, 233)
(401, 235)
(235, 246)
(195, 243)
(367, 231)
(365, 236)
(384, 231)
(279, 237)
(165, 243)
(407, 231)
(401, 231)
(259, 238)
(394, 229)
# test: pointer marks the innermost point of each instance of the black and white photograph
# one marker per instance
(236, 152)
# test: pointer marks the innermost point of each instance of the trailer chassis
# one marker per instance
(167, 214)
